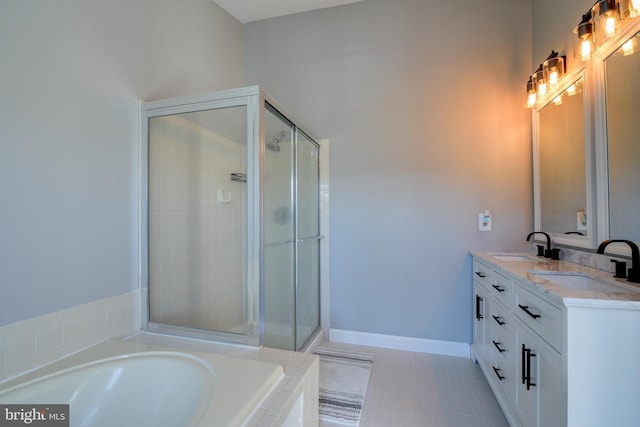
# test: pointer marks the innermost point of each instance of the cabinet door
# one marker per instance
(480, 312)
(539, 379)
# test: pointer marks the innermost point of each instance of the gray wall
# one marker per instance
(421, 102)
(71, 76)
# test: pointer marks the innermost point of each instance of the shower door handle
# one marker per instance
(284, 242)
(306, 239)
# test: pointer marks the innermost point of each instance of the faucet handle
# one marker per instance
(621, 269)
(540, 250)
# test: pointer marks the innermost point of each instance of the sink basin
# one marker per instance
(581, 282)
(514, 257)
(150, 388)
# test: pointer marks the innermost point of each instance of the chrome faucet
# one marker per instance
(547, 252)
(634, 271)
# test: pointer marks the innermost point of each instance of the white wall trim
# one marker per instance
(421, 345)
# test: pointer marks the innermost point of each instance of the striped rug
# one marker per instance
(344, 376)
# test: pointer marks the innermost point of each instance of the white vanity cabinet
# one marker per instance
(553, 356)
(523, 369)
(494, 345)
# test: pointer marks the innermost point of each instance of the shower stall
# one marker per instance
(231, 230)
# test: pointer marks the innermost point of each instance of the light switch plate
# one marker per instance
(483, 224)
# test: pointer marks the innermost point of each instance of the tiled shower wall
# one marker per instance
(196, 225)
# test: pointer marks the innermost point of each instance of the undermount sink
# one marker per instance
(514, 257)
(581, 282)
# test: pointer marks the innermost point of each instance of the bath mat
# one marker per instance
(344, 376)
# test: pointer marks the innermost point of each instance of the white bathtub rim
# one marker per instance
(202, 406)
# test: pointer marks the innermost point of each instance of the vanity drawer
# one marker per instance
(542, 317)
(502, 289)
(502, 333)
(482, 274)
(503, 372)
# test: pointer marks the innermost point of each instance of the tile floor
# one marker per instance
(408, 389)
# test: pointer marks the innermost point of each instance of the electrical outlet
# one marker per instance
(484, 221)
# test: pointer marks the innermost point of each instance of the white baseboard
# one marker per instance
(421, 345)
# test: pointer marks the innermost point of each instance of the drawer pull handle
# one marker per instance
(500, 349)
(525, 308)
(527, 354)
(481, 274)
(497, 372)
(498, 288)
(497, 319)
(479, 300)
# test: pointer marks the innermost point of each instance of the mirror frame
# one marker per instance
(591, 239)
(601, 132)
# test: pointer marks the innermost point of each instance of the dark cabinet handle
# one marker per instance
(525, 308)
(497, 319)
(497, 344)
(481, 274)
(497, 372)
(523, 364)
(497, 288)
(478, 301)
(527, 354)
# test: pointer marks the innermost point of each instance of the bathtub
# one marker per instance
(129, 384)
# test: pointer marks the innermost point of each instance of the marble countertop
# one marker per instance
(524, 266)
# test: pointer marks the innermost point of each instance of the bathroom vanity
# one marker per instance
(559, 343)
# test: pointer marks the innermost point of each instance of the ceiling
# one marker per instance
(255, 10)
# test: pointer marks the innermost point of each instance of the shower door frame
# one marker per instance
(268, 104)
(255, 99)
(248, 97)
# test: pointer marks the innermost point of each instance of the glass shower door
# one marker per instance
(279, 238)
(197, 223)
(307, 239)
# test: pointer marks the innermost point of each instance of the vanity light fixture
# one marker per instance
(530, 94)
(629, 8)
(602, 22)
(584, 30)
(538, 82)
(553, 69)
(608, 25)
(548, 74)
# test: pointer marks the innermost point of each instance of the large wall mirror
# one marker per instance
(562, 157)
(622, 94)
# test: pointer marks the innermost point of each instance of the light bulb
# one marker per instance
(609, 20)
(553, 70)
(557, 100)
(585, 49)
(634, 8)
(610, 27)
(627, 48)
(571, 90)
(542, 89)
(531, 100)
